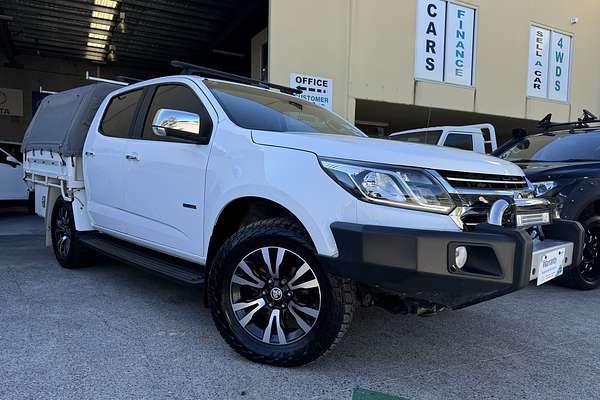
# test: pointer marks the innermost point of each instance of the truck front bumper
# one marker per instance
(421, 264)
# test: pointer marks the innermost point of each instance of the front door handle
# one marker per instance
(89, 154)
(132, 156)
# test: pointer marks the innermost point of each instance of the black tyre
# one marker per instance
(587, 275)
(270, 298)
(31, 203)
(69, 252)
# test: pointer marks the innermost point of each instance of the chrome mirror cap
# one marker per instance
(182, 121)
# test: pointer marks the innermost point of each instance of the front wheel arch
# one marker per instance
(244, 211)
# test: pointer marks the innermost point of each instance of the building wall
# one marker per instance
(52, 74)
(368, 48)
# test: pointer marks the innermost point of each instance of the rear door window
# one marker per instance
(120, 113)
(425, 137)
(459, 141)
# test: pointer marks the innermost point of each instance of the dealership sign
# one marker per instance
(539, 54)
(11, 102)
(444, 42)
(549, 64)
(315, 89)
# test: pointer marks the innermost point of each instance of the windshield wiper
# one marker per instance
(553, 161)
(522, 161)
(578, 160)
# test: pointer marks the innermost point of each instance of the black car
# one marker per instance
(565, 164)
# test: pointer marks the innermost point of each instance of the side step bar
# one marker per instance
(154, 262)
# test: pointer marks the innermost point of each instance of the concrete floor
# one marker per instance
(113, 332)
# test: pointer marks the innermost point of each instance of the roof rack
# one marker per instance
(128, 79)
(587, 117)
(89, 77)
(189, 69)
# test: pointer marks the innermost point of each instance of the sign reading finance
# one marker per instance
(445, 42)
(549, 64)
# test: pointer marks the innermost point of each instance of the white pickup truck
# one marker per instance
(479, 138)
(12, 188)
(289, 214)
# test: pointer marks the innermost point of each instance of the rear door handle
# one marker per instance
(132, 156)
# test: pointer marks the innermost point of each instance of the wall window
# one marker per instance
(549, 64)
(445, 42)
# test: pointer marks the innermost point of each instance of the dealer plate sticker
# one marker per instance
(551, 265)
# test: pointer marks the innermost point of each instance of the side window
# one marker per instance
(173, 97)
(119, 114)
(425, 137)
(433, 137)
(4, 159)
(13, 150)
(459, 141)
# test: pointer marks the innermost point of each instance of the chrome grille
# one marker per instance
(467, 180)
(475, 193)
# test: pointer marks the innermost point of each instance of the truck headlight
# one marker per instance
(541, 188)
(392, 186)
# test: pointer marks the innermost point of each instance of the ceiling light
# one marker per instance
(98, 45)
(112, 53)
(121, 25)
(106, 3)
(102, 27)
(102, 15)
(97, 36)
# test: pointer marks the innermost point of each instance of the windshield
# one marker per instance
(260, 109)
(556, 147)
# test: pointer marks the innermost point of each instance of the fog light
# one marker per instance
(460, 255)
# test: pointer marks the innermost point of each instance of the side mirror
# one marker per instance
(13, 162)
(178, 124)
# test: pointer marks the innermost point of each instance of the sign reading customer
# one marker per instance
(11, 102)
(549, 64)
(315, 89)
(445, 42)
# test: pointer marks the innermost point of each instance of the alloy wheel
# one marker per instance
(63, 234)
(275, 295)
(590, 265)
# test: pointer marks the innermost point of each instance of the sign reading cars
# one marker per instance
(11, 102)
(444, 42)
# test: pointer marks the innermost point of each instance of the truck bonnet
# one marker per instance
(388, 152)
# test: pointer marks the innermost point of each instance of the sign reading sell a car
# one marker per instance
(549, 64)
(11, 102)
(315, 89)
(444, 42)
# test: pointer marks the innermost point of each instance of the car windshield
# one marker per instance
(259, 109)
(556, 147)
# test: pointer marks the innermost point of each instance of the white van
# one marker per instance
(12, 186)
(479, 138)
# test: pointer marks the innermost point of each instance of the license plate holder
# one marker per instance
(551, 265)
